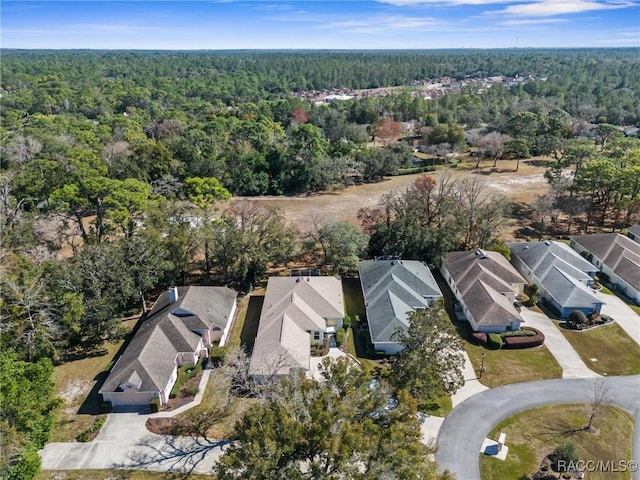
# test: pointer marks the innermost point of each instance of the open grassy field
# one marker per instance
(607, 350)
(534, 434)
(521, 186)
(77, 383)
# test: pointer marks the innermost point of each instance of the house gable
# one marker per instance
(163, 341)
(392, 289)
(293, 307)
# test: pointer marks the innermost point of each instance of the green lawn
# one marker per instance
(501, 366)
(513, 365)
(533, 434)
(358, 341)
(607, 350)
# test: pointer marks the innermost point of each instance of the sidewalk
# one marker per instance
(571, 363)
(471, 383)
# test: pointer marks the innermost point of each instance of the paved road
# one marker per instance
(571, 363)
(463, 431)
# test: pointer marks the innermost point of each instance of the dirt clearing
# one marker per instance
(343, 205)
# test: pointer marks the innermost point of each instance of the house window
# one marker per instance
(316, 336)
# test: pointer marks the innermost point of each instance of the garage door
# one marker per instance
(119, 399)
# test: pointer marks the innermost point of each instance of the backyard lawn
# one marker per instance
(77, 383)
(607, 350)
(533, 434)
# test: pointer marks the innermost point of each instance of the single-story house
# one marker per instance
(392, 289)
(485, 285)
(616, 256)
(184, 321)
(564, 277)
(297, 312)
(634, 233)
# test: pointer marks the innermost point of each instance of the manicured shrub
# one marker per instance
(191, 390)
(577, 317)
(154, 405)
(494, 341)
(217, 355)
(526, 341)
(346, 322)
(518, 333)
(480, 338)
(340, 334)
(566, 453)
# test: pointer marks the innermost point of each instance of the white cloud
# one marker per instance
(533, 21)
(546, 8)
(384, 24)
(405, 3)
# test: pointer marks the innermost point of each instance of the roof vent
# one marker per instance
(173, 294)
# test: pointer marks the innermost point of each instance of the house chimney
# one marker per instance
(173, 294)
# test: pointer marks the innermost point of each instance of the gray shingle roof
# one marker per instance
(540, 257)
(619, 253)
(391, 289)
(482, 277)
(293, 306)
(635, 230)
(150, 355)
(562, 272)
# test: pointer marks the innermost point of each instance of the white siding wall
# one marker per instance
(388, 348)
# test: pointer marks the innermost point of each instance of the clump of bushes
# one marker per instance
(563, 455)
(346, 322)
(527, 337)
(185, 373)
(340, 335)
(494, 341)
(577, 317)
(480, 338)
(154, 405)
(92, 432)
(217, 355)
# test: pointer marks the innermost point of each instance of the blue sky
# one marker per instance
(302, 24)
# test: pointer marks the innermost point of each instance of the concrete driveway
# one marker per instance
(571, 363)
(623, 315)
(461, 435)
(124, 442)
(314, 370)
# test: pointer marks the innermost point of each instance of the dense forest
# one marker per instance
(129, 159)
